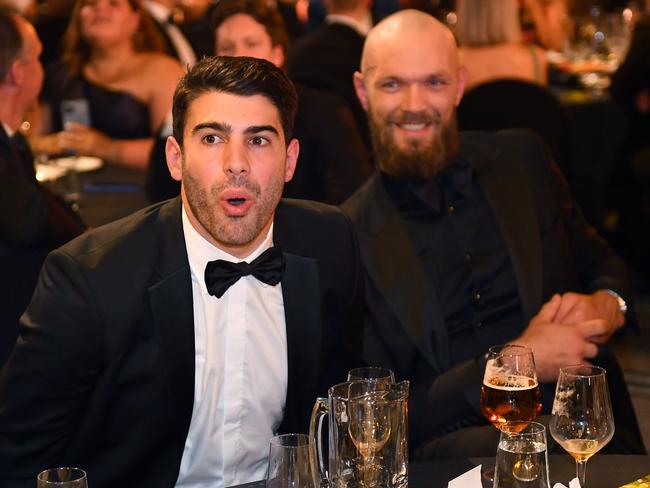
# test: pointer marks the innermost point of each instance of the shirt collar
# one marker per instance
(362, 27)
(453, 182)
(10, 133)
(157, 11)
(200, 251)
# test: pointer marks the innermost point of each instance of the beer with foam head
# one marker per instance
(509, 397)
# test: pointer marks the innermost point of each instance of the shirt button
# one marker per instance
(468, 256)
(479, 324)
(451, 208)
(477, 297)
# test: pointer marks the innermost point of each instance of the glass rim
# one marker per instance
(302, 440)
(537, 428)
(596, 370)
(69, 468)
(520, 350)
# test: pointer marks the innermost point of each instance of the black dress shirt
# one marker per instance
(463, 253)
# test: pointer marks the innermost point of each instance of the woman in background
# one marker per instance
(112, 59)
(491, 46)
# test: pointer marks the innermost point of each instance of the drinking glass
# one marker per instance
(62, 478)
(582, 421)
(522, 458)
(289, 462)
(510, 390)
(372, 373)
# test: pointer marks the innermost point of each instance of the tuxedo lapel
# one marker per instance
(302, 311)
(396, 270)
(172, 308)
(506, 187)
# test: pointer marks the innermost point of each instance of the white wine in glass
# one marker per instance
(582, 421)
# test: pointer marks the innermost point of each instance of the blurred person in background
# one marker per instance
(549, 22)
(328, 57)
(491, 46)
(32, 220)
(112, 60)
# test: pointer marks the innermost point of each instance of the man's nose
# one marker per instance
(235, 158)
(413, 99)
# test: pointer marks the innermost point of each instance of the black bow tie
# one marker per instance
(268, 267)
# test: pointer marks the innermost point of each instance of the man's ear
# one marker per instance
(360, 88)
(174, 155)
(16, 73)
(462, 82)
(293, 150)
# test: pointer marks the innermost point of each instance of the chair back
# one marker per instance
(509, 104)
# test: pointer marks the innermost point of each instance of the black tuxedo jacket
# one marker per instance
(30, 216)
(102, 376)
(551, 247)
(327, 59)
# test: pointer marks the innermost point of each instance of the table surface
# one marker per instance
(603, 471)
(110, 193)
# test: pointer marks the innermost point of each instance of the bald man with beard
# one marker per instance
(469, 240)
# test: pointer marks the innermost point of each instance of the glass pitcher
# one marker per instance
(368, 428)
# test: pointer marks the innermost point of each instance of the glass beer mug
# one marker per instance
(367, 436)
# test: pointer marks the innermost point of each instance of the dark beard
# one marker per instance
(419, 161)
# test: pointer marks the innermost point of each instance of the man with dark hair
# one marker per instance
(32, 220)
(167, 348)
(470, 240)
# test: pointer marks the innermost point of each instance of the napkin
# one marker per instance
(471, 479)
(574, 483)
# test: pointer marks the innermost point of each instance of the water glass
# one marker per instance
(289, 462)
(522, 458)
(62, 478)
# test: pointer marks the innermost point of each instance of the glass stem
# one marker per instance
(581, 471)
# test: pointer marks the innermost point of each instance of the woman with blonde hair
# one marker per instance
(113, 60)
(491, 46)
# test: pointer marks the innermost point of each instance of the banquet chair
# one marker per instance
(511, 103)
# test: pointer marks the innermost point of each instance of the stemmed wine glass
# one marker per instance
(370, 428)
(510, 390)
(582, 421)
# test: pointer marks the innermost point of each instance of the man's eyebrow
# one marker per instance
(227, 128)
(256, 129)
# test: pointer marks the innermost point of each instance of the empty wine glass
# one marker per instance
(582, 421)
(62, 478)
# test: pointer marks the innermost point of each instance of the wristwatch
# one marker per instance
(622, 306)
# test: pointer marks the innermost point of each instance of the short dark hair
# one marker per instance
(11, 42)
(243, 76)
(262, 11)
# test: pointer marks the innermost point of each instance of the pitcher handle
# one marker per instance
(319, 472)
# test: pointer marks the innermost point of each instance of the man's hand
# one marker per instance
(559, 344)
(576, 307)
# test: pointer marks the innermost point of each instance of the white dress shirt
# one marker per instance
(240, 374)
(183, 48)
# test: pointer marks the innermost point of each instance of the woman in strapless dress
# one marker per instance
(113, 60)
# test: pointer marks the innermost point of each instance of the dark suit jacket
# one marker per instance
(327, 59)
(103, 373)
(30, 216)
(551, 247)
(32, 221)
